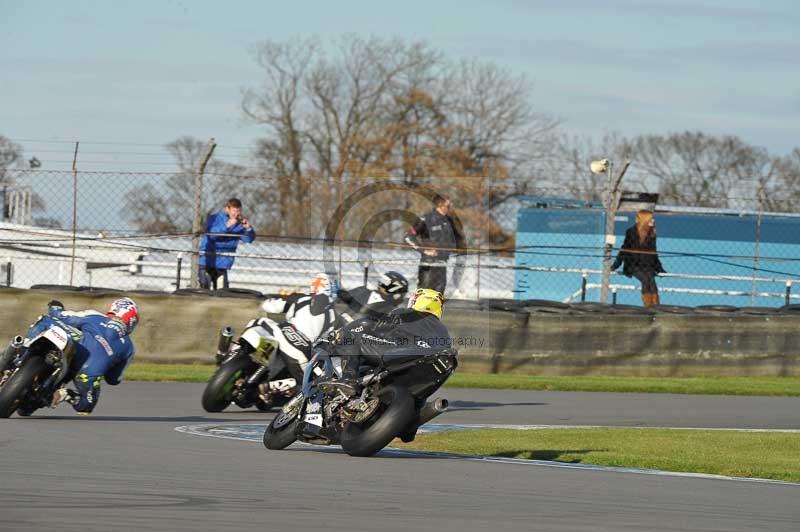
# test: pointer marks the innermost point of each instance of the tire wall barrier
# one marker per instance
(184, 328)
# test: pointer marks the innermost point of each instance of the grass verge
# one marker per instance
(773, 386)
(769, 386)
(147, 371)
(740, 454)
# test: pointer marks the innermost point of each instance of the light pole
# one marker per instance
(613, 193)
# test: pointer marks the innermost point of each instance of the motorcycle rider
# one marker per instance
(308, 317)
(103, 348)
(392, 288)
(366, 340)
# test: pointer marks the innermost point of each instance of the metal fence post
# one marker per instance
(74, 212)
(197, 221)
(178, 273)
(9, 273)
(584, 275)
(479, 241)
(613, 195)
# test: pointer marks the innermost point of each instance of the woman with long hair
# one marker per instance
(640, 256)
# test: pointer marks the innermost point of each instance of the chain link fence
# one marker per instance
(133, 231)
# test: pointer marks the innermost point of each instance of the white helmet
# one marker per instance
(322, 284)
(393, 284)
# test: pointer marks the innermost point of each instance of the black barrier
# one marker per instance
(56, 287)
(538, 337)
(241, 293)
(759, 311)
(715, 309)
(673, 309)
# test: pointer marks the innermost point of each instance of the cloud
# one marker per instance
(683, 10)
(743, 55)
(143, 71)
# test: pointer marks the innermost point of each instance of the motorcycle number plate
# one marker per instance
(314, 419)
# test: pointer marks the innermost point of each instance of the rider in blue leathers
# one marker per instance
(103, 348)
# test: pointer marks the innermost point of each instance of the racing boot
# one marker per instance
(61, 395)
(277, 392)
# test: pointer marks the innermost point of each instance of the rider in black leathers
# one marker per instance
(365, 341)
(375, 304)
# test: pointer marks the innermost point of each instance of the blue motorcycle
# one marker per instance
(32, 368)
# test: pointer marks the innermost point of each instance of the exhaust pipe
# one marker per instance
(15, 346)
(224, 343)
(432, 409)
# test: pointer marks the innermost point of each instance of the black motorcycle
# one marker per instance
(392, 402)
(243, 372)
(31, 369)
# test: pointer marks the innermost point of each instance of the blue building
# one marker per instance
(717, 257)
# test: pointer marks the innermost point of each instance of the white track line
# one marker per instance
(255, 432)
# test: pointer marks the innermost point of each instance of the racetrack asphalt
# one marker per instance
(126, 468)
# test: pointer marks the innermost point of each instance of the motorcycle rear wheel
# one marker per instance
(19, 385)
(396, 412)
(219, 390)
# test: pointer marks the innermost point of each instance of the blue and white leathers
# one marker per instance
(103, 350)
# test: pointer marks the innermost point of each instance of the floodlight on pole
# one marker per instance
(599, 167)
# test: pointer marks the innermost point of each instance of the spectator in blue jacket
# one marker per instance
(224, 230)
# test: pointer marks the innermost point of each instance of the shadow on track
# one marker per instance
(549, 455)
(456, 406)
(150, 419)
(390, 454)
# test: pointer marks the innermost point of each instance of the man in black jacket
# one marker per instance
(436, 236)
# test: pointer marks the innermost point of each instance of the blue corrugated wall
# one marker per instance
(688, 242)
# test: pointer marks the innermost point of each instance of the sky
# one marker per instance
(146, 72)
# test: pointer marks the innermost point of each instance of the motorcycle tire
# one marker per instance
(219, 390)
(5, 360)
(281, 437)
(366, 439)
(19, 385)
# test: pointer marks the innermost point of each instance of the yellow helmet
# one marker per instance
(427, 300)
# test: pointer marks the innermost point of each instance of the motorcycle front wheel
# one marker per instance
(280, 432)
(20, 384)
(219, 390)
(394, 414)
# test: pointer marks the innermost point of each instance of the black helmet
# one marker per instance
(393, 284)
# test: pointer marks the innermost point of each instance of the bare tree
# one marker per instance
(696, 169)
(10, 155)
(384, 108)
(569, 171)
(782, 192)
(167, 208)
(689, 168)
